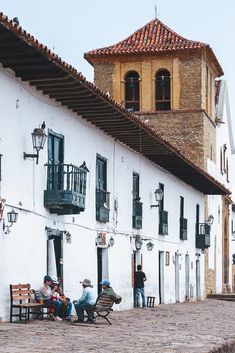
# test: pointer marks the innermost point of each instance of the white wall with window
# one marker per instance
(25, 250)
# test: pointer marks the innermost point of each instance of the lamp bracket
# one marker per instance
(31, 155)
(154, 206)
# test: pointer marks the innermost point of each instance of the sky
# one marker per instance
(72, 27)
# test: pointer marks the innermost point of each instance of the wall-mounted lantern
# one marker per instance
(11, 218)
(68, 236)
(150, 246)
(111, 242)
(158, 194)
(210, 220)
(38, 138)
(98, 240)
(138, 242)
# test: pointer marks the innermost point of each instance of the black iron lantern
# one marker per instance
(111, 242)
(150, 246)
(12, 217)
(38, 138)
(138, 243)
(158, 194)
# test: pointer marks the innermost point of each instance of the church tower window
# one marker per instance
(132, 91)
(163, 90)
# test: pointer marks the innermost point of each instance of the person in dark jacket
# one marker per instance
(140, 278)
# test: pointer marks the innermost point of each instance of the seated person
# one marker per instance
(45, 293)
(86, 302)
(107, 290)
(66, 305)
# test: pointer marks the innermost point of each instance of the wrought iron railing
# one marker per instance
(67, 177)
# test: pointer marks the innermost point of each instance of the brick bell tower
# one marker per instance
(169, 81)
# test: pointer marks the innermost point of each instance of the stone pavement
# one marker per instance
(182, 328)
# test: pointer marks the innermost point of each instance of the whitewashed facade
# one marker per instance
(174, 268)
(222, 170)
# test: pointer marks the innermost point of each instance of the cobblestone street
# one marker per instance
(181, 328)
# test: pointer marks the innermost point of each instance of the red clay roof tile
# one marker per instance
(154, 37)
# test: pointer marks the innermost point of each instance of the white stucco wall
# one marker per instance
(24, 250)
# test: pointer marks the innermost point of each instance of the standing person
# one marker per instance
(47, 294)
(86, 302)
(140, 278)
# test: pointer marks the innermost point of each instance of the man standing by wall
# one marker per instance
(140, 278)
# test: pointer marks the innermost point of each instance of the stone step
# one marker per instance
(225, 296)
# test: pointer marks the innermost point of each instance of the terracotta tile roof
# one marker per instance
(34, 63)
(155, 37)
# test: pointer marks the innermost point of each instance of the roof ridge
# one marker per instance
(153, 38)
(72, 72)
(154, 22)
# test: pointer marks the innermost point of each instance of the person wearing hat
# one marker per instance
(106, 289)
(45, 293)
(86, 302)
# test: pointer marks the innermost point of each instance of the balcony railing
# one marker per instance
(183, 228)
(163, 222)
(102, 205)
(203, 235)
(137, 214)
(66, 188)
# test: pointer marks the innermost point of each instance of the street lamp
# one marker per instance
(158, 194)
(150, 246)
(111, 242)
(11, 218)
(38, 138)
(138, 242)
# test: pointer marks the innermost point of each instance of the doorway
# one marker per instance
(177, 279)
(55, 254)
(136, 260)
(187, 277)
(198, 281)
(161, 276)
(102, 266)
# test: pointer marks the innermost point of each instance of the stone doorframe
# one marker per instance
(226, 266)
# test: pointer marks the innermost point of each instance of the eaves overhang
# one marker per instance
(34, 63)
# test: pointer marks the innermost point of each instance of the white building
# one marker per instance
(63, 209)
(220, 252)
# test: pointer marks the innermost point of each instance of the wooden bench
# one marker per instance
(102, 308)
(21, 302)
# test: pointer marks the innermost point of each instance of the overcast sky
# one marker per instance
(72, 27)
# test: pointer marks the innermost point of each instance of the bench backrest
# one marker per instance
(20, 293)
(104, 301)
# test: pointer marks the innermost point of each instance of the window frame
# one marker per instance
(162, 97)
(132, 94)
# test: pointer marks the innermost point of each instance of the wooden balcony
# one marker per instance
(203, 240)
(66, 188)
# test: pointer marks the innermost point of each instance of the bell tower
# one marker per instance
(168, 81)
